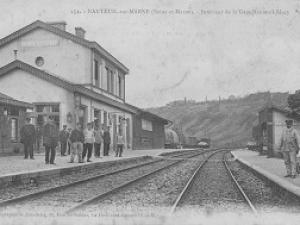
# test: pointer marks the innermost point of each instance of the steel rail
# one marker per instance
(238, 186)
(181, 153)
(191, 181)
(124, 185)
(7, 202)
(185, 153)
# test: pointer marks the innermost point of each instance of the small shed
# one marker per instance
(12, 118)
(271, 123)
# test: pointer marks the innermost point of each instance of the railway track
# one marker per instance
(202, 190)
(136, 173)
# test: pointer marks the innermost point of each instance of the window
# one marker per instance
(55, 108)
(107, 78)
(146, 125)
(97, 117)
(105, 118)
(45, 110)
(110, 80)
(96, 72)
(39, 108)
(39, 61)
(13, 111)
(120, 85)
(120, 125)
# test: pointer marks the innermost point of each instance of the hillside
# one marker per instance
(225, 121)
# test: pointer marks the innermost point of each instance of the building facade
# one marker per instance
(64, 75)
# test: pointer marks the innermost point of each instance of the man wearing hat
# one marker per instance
(289, 147)
(50, 140)
(28, 136)
(63, 139)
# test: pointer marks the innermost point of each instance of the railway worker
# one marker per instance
(89, 140)
(63, 139)
(290, 147)
(106, 141)
(28, 136)
(69, 142)
(98, 141)
(76, 138)
(50, 140)
(120, 145)
(38, 138)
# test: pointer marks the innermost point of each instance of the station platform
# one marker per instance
(271, 168)
(18, 169)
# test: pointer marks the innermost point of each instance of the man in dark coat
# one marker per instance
(28, 137)
(50, 140)
(76, 139)
(38, 139)
(106, 141)
(63, 139)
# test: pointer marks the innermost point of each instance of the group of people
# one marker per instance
(79, 142)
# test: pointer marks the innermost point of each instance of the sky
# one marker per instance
(215, 48)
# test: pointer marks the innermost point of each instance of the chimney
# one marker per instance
(59, 24)
(79, 32)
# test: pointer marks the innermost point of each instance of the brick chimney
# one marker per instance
(79, 32)
(59, 24)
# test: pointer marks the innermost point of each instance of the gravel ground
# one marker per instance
(213, 189)
(66, 198)
(46, 183)
(157, 193)
(262, 194)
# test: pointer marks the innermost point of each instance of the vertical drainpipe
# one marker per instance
(92, 67)
(92, 81)
(270, 132)
(123, 87)
(273, 134)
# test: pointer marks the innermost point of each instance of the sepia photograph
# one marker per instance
(158, 112)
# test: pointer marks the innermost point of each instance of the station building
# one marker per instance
(271, 123)
(75, 80)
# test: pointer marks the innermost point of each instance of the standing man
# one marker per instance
(120, 145)
(63, 139)
(98, 141)
(38, 138)
(76, 139)
(69, 142)
(89, 140)
(28, 137)
(50, 138)
(290, 147)
(106, 140)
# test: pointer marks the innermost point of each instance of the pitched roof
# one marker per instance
(147, 114)
(5, 99)
(276, 108)
(81, 41)
(5, 96)
(63, 83)
(17, 64)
